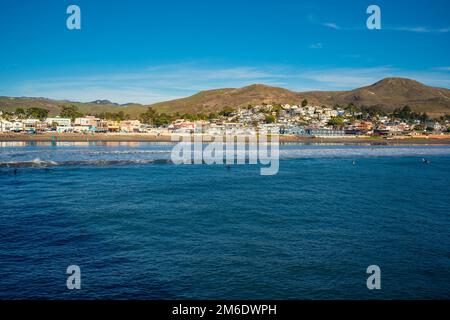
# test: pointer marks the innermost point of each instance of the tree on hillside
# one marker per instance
(20, 112)
(213, 115)
(152, 117)
(406, 113)
(277, 108)
(36, 113)
(162, 120)
(304, 103)
(6, 115)
(120, 116)
(351, 108)
(336, 121)
(227, 112)
(424, 117)
(70, 112)
(373, 111)
(148, 116)
(114, 116)
(270, 119)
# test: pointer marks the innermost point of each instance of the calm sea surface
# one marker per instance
(140, 227)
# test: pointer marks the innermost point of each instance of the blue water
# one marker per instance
(142, 228)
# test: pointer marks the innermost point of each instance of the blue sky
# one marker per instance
(150, 51)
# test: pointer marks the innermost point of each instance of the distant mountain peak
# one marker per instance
(399, 82)
(256, 86)
(102, 102)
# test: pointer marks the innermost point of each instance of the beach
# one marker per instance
(100, 137)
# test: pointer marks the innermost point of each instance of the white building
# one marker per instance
(17, 126)
(31, 124)
(5, 126)
(130, 126)
(61, 122)
(86, 124)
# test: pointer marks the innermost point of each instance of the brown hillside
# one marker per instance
(389, 93)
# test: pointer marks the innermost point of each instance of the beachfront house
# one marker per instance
(215, 129)
(182, 126)
(433, 126)
(113, 126)
(201, 126)
(32, 125)
(324, 132)
(5, 126)
(269, 129)
(130, 126)
(17, 126)
(295, 130)
(86, 124)
(59, 124)
(388, 129)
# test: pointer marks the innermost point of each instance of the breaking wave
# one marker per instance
(88, 152)
(41, 158)
(362, 152)
(37, 163)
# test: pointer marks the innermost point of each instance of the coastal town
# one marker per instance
(304, 120)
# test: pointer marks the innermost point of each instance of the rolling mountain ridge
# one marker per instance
(388, 94)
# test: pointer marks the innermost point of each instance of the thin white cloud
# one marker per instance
(312, 18)
(151, 85)
(442, 69)
(420, 29)
(346, 78)
(350, 78)
(318, 45)
(332, 25)
(416, 29)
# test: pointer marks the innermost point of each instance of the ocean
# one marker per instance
(140, 227)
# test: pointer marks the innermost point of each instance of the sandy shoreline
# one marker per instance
(445, 140)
